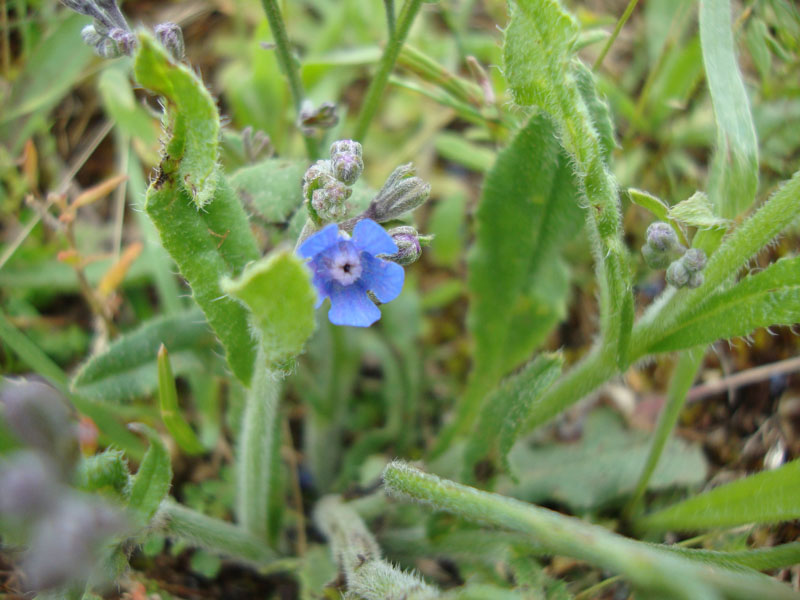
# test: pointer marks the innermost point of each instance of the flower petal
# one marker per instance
(323, 239)
(382, 277)
(371, 237)
(350, 305)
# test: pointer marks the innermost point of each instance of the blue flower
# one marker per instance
(346, 268)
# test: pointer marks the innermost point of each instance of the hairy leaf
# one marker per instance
(152, 481)
(733, 179)
(771, 297)
(271, 188)
(170, 411)
(191, 115)
(278, 291)
(766, 497)
(127, 369)
(696, 211)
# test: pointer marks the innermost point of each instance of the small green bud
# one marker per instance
(694, 260)
(171, 37)
(325, 195)
(655, 259)
(402, 193)
(677, 274)
(346, 160)
(90, 35)
(408, 247)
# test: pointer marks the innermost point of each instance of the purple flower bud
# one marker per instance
(694, 260)
(677, 274)
(346, 160)
(311, 119)
(171, 37)
(39, 417)
(661, 237)
(402, 193)
(655, 259)
(28, 486)
(125, 42)
(696, 279)
(326, 196)
(408, 246)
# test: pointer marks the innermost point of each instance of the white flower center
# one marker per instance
(346, 268)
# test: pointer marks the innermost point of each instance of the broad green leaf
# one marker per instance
(504, 409)
(539, 43)
(127, 369)
(191, 114)
(517, 280)
(206, 244)
(272, 188)
(150, 485)
(696, 211)
(170, 410)
(771, 297)
(733, 179)
(277, 289)
(602, 467)
(766, 497)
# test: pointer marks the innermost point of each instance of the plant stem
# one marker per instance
(390, 24)
(682, 378)
(212, 534)
(647, 566)
(390, 54)
(255, 447)
(620, 24)
(288, 64)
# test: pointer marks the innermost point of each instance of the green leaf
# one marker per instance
(170, 411)
(120, 103)
(277, 289)
(539, 42)
(505, 408)
(192, 116)
(599, 111)
(205, 244)
(766, 497)
(127, 369)
(454, 147)
(696, 211)
(733, 179)
(517, 280)
(272, 188)
(771, 297)
(107, 470)
(150, 485)
(602, 467)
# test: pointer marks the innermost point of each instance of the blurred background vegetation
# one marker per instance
(70, 121)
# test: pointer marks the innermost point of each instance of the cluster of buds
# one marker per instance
(326, 184)
(63, 529)
(687, 270)
(111, 36)
(662, 250)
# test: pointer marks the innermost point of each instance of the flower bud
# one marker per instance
(402, 193)
(694, 260)
(38, 415)
(171, 37)
(655, 259)
(90, 35)
(28, 486)
(661, 237)
(408, 247)
(346, 161)
(311, 119)
(325, 195)
(677, 274)
(124, 40)
(696, 279)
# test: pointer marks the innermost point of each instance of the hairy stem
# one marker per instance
(288, 64)
(390, 54)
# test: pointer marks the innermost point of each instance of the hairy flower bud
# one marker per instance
(696, 279)
(28, 486)
(408, 246)
(655, 259)
(38, 415)
(694, 260)
(347, 161)
(402, 193)
(311, 119)
(125, 42)
(325, 195)
(171, 37)
(91, 37)
(677, 274)
(661, 237)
